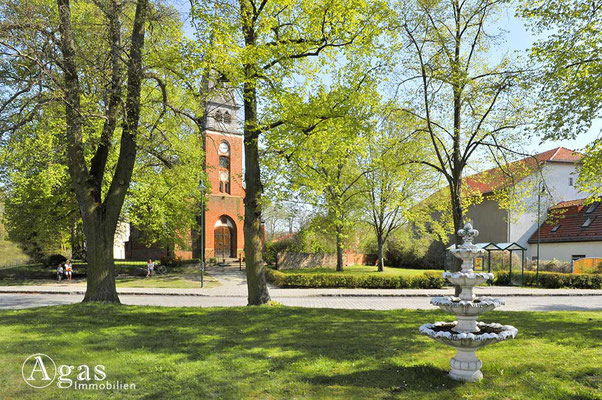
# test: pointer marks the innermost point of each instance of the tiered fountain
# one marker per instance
(466, 334)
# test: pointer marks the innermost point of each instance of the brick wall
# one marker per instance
(288, 260)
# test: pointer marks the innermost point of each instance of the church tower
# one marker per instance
(224, 209)
(224, 215)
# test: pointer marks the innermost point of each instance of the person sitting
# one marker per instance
(59, 272)
(150, 266)
(69, 269)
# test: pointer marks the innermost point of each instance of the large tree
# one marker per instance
(92, 80)
(391, 185)
(163, 197)
(466, 99)
(566, 73)
(100, 215)
(262, 46)
(316, 158)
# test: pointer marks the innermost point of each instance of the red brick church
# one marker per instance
(224, 215)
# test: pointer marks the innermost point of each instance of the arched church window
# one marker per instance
(227, 117)
(224, 173)
(218, 116)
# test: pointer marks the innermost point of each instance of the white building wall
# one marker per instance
(122, 235)
(565, 250)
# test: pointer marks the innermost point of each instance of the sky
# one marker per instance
(517, 39)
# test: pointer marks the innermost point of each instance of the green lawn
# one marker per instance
(129, 274)
(361, 270)
(285, 353)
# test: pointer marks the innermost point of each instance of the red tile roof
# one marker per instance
(570, 216)
(500, 177)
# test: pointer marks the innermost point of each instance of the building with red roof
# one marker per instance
(540, 181)
(572, 230)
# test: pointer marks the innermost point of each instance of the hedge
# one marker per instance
(552, 280)
(372, 281)
(428, 280)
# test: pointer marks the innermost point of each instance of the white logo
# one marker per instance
(38, 370)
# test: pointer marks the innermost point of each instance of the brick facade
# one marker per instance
(222, 205)
(224, 216)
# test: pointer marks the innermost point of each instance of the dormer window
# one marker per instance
(218, 116)
(588, 222)
(227, 118)
(592, 208)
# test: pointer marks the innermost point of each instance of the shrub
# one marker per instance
(553, 280)
(369, 281)
(550, 266)
(54, 260)
(272, 249)
(404, 251)
(171, 261)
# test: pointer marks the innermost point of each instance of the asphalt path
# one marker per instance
(513, 303)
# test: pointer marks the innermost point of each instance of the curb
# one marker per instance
(82, 292)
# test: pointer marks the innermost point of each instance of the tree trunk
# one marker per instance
(257, 287)
(458, 219)
(381, 261)
(100, 217)
(339, 238)
(101, 267)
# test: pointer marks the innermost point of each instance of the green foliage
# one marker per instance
(41, 211)
(40, 207)
(404, 250)
(553, 280)
(272, 249)
(427, 280)
(568, 77)
(318, 161)
(591, 171)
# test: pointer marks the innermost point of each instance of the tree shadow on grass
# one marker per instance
(277, 339)
(397, 379)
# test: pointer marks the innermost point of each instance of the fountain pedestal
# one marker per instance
(467, 334)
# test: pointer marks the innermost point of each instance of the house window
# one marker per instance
(570, 181)
(554, 229)
(588, 222)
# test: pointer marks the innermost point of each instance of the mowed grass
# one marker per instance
(287, 353)
(129, 274)
(361, 270)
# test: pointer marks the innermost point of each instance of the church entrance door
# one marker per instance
(223, 242)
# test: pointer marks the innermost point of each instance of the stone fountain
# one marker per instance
(466, 334)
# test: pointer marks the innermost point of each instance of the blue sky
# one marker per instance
(517, 39)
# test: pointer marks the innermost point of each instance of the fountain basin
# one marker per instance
(474, 307)
(467, 279)
(488, 334)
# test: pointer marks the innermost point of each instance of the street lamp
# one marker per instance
(202, 188)
(541, 189)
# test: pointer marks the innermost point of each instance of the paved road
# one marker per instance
(517, 303)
